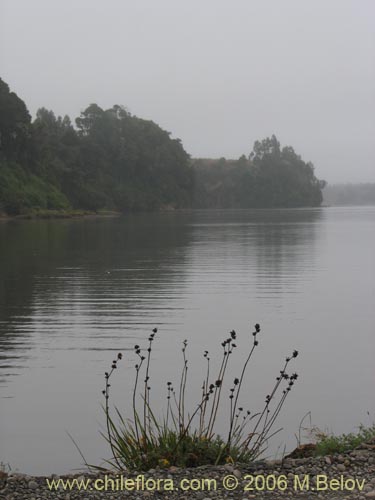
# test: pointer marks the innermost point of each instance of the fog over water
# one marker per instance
(217, 74)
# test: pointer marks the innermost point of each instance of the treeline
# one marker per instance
(349, 194)
(110, 160)
(269, 177)
(113, 160)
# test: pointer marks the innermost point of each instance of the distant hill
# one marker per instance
(349, 194)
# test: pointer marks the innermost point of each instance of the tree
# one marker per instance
(14, 125)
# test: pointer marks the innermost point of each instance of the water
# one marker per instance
(73, 293)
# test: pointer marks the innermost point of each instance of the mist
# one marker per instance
(217, 75)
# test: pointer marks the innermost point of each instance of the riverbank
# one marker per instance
(348, 476)
(59, 214)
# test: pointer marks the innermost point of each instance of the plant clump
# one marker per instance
(328, 443)
(187, 438)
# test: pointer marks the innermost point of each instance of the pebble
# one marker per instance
(33, 485)
(357, 465)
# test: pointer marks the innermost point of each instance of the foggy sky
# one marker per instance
(218, 74)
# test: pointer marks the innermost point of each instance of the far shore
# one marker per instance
(59, 214)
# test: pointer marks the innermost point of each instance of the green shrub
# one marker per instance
(20, 192)
(327, 444)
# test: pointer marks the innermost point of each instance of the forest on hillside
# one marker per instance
(113, 160)
(270, 177)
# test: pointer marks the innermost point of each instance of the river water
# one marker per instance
(73, 293)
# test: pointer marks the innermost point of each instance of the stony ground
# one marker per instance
(350, 476)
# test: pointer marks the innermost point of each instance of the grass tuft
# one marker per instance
(328, 444)
(185, 438)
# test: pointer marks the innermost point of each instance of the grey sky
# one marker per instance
(217, 74)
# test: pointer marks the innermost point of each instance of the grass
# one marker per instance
(328, 444)
(5, 467)
(143, 440)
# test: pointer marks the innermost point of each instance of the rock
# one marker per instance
(370, 494)
(173, 469)
(33, 485)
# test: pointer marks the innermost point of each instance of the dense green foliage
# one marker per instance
(270, 177)
(112, 160)
(116, 161)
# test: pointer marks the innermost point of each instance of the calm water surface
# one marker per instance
(73, 293)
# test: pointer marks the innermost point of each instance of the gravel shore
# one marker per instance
(347, 476)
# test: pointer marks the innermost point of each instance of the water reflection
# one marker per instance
(72, 291)
(87, 281)
(262, 252)
(78, 279)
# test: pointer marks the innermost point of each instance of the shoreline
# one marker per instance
(339, 476)
(79, 214)
(56, 215)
